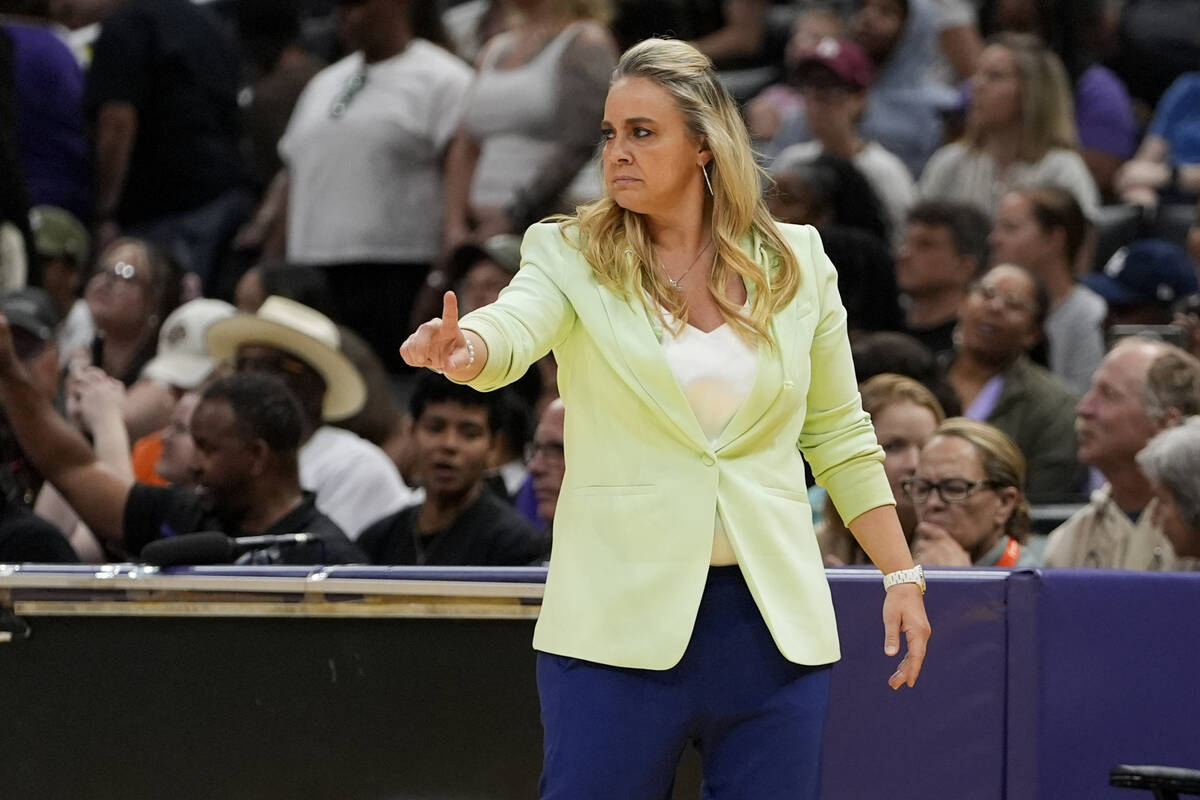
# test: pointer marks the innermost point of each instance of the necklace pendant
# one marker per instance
(675, 283)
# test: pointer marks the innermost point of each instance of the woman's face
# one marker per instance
(995, 90)
(118, 292)
(651, 159)
(902, 428)
(997, 318)
(977, 521)
(876, 26)
(1017, 238)
(831, 110)
(178, 449)
(1166, 515)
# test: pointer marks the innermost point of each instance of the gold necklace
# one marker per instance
(675, 281)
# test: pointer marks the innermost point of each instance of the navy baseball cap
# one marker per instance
(1146, 271)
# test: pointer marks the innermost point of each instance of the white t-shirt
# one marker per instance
(367, 185)
(962, 175)
(354, 481)
(891, 180)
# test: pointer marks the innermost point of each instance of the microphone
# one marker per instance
(214, 547)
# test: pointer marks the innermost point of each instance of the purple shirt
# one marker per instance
(50, 124)
(985, 402)
(1104, 113)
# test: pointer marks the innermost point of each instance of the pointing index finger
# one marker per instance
(450, 312)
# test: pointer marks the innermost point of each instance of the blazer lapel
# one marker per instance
(768, 383)
(646, 368)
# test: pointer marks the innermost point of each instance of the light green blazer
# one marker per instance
(633, 528)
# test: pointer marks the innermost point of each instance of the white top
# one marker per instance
(716, 371)
(970, 176)
(367, 186)
(891, 180)
(354, 481)
(513, 114)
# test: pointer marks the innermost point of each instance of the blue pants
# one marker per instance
(756, 718)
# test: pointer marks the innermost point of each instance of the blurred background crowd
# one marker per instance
(219, 220)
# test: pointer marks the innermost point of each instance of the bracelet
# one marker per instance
(470, 351)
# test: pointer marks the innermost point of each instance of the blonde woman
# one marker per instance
(701, 347)
(968, 492)
(904, 414)
(1020, 131)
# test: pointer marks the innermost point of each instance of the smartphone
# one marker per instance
(1171, 334)
(98, 349)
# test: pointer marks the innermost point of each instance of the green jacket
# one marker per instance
(633, 528)
(1036, 409)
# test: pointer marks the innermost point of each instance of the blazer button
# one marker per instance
(708, 460)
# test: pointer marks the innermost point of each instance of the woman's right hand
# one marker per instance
(439, 344)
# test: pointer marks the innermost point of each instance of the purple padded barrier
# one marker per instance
(1104, 668)
(943, 739)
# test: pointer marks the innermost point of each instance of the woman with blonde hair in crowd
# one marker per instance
(701, 348)
(904, 414)
(970, 500)
(1020, 131)
(528, 134)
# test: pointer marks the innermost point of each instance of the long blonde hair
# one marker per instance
(616, 241)
(1047, 106)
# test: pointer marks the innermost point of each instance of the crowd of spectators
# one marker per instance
(218, 222)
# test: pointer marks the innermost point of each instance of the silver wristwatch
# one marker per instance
(915, 575)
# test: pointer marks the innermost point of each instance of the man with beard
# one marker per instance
(246, 430)
(461, 522)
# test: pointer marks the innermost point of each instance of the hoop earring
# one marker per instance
(704, 172)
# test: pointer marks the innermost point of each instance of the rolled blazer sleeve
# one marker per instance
(531, 316)
(838, 439)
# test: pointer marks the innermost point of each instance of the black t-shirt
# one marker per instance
(939, 339)
(170, 60)
(153, 512)
(487, 533)
(26, 537)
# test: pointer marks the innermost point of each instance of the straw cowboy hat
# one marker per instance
(306, 334)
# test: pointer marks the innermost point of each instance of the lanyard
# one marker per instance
(1011, 551)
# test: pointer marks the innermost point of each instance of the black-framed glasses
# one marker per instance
(951, 490)
(550, 451)
(354, 84)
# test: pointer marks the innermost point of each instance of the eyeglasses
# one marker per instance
(122, 271)
(354, 84)
(550, 451)
(951, 490)
(1011, 302)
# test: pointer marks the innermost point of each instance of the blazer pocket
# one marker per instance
(605, 490)
(789, 494)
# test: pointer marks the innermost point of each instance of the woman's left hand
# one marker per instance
(904, 612)
(934, 546)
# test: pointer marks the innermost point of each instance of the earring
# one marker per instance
(704, 172)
